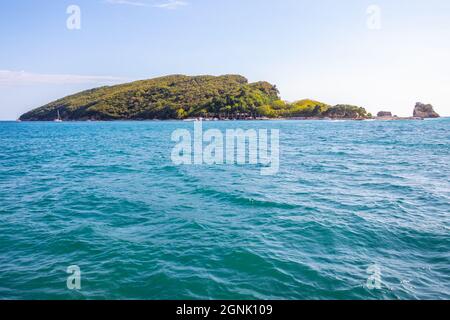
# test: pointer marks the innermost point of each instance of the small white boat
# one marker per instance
(193, 119)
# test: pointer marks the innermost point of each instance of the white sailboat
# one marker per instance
(59, 117)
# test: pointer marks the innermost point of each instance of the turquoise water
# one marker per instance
(106, 197)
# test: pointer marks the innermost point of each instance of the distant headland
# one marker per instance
(179, 97)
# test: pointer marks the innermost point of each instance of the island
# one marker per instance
(180, 97)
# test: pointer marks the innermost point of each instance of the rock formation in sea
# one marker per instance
(383, 114)
(425, 111)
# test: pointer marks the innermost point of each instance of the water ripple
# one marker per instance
(106, 197)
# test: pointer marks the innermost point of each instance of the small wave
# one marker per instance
(242, 200)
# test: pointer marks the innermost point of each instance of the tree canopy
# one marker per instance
(181, 97)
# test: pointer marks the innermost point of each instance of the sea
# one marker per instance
(98, 210)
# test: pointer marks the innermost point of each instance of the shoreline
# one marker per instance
(237, 120)
(241, 120)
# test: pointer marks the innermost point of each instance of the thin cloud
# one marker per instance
(171, 4)
(129, 2)
(168, 5)
(12, 78)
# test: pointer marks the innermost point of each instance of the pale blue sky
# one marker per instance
(319, 49)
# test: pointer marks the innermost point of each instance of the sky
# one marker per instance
(379, 54)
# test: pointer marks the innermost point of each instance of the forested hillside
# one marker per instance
(181, 97)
